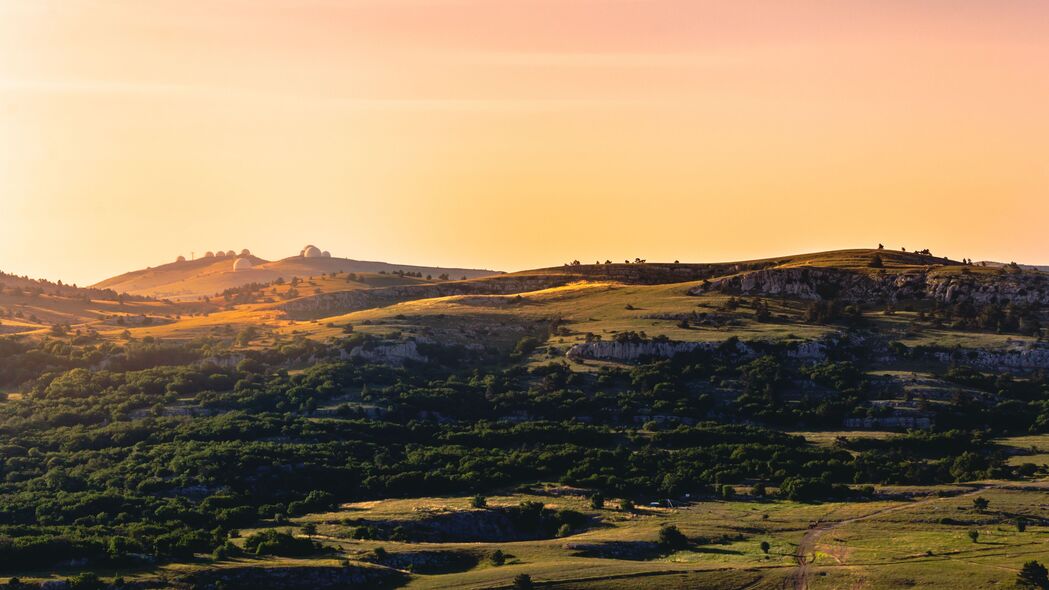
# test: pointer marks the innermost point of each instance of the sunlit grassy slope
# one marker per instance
(204, 277)
(585, 301)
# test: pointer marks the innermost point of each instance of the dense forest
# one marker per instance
(147, 452)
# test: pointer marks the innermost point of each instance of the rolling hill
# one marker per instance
(185, 280)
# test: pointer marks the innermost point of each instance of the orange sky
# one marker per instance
(518, 133)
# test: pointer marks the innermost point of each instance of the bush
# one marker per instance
(672, 539)
(1032, 575)
(273, 542)
(86, 581)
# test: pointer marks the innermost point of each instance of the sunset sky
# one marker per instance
(519, 133)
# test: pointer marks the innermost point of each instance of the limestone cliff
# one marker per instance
(826, 283)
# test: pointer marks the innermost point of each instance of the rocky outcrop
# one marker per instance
(432, 562)
(633, 351)
(628, 352)
(816, 283)
(1027, 288)
(393, 353)
(1025, 358)
(887, 422)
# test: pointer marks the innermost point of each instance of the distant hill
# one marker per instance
(993, 264)
(191, 279)
(432, 302)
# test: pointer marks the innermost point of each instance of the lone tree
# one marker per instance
(1021, 525)
(876, 262)
(765, 547)
(980, 503)
(479, 501)
(1032, 575)
(974, 535)
(309, 529)
(498, 557)
(671, 538)
(597, 501)
(523, 582)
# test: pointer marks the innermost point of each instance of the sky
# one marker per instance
(514, 134)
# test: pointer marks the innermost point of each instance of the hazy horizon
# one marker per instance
(195, 254)
(520, 133)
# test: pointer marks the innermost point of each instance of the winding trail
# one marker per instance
(805, 554)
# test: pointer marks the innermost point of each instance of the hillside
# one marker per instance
(356, 429)
(186, 280)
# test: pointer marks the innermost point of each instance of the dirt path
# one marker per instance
(805, 554)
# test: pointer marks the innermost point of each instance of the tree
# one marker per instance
(479, 501)
(1033, 575)
(497, 557)
(1021, 525)
(309, 529)
(876, 262)
(765, 547)
(523, 582)
(974, 535)
(671, 538)
(597, 501)
(758, 490)
(980, 503)
(626, 505)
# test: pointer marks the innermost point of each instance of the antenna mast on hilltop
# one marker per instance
(192, 255)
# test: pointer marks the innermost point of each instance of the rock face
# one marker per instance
(629, 352)
(917, 421)
(433, 562)
(1026, 358)
(395, 353)
(825, 283)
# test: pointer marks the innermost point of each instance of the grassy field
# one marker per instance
(1027, 449)
(909, 537)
